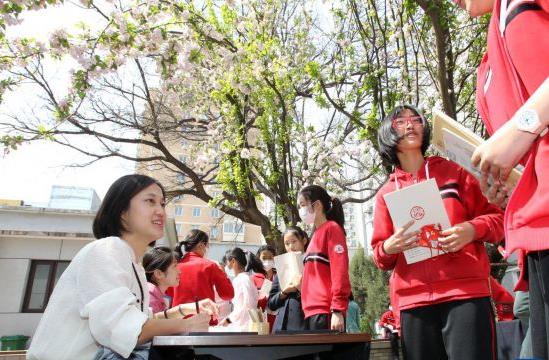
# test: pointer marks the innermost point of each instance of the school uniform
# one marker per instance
(101, 300)
(325, 287)
(199, 277)
(513, 68)
(444, 302)
(290, 315)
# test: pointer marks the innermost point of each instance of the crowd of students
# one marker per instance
(113, 297)
(101, 309)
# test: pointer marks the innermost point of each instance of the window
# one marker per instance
(183, 158)
(216, 213)
(179, 229)
(214, 233)
(195, 227)
(235, 227)
(228, 228)
(180, 178)
(43, 276)
(178, 210)
(196, 211)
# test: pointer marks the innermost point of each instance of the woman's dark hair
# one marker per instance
(332, 206)
(388, 138)
(262, 248)
(108, 220)
(157, 258)
(297, 232)
(194, 238)
(246, 259)
(351, 297)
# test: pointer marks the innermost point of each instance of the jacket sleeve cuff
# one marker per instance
(481, 229)
(383, 258)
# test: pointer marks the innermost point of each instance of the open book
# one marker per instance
(458, 143)
(288, 267)
(422, 203)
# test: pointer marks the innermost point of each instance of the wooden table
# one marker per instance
(261, 347)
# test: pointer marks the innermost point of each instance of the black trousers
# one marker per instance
(456, 330)
(538, 280)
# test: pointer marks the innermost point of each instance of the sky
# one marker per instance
(29, 172)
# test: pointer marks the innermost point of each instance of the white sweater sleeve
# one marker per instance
(245, 297)
(105, 284)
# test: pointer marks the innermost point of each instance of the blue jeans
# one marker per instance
(141, 352)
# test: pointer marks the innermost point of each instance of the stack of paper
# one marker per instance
(458, 144)
(288, 267)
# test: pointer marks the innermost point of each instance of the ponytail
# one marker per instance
(335, 213)
(246, 260)
(194, 238)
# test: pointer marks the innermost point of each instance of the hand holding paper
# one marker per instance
(456, 237)
(401, 241)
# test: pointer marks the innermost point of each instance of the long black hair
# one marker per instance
(108, 220)
(297, 232)
(246, 259)
(194, 238)
(157, 258)
(332, 207)
(388, 138)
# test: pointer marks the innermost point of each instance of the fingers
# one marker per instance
(475, 159)
(406, 226)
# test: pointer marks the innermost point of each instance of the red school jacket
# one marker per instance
(326, 285)
(456, 276)
(514, 66)
(198, 278)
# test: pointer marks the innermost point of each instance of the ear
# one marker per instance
(158, 274)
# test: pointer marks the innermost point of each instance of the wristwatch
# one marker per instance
(528, 120)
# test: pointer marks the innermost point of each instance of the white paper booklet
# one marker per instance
(423, 204)
(288, 266)
(458, 143)
(265, 288)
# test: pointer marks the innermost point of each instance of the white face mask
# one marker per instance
(307, 214)
(268, 264)
(229, 272)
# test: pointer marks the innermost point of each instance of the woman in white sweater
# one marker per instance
(101, 300)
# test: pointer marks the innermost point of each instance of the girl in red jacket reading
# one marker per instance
(444, 301)
(325, 287)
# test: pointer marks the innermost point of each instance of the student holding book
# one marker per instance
(100, 306)
(513, 102)
(287, 301)
(325, 287)
(444, 301)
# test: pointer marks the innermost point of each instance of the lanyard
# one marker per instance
(426, 175)
(140, 287)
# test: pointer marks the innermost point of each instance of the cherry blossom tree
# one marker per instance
(233, 82)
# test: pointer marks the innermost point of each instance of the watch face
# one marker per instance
(528, 120)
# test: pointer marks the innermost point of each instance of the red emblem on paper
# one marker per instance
(417, 213)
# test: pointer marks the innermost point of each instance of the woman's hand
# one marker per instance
(400, 241)
(208, 306)
(337, 323)
(498, 155)
(456, 237)
(496, 193)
